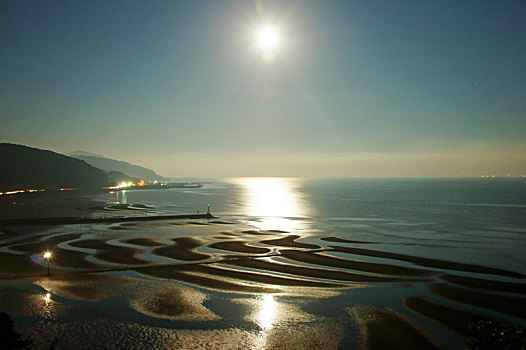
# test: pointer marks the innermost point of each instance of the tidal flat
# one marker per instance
(232, 289)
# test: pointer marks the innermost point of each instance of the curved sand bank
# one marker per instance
(144, 242)
(213, 270)
(174, 303)
(451, 317)
(38, 247)
(485, 284)
(111, 253)
(341, 240)
(228, 233)
(174, 273)
(290, 241)
(325, 260)
(296, 270)
(66, 258)
(182, 249)
(427, 262)
(514, 306)
(239, 247)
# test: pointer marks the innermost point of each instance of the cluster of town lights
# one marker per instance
(19, 191)
(119, 186)
(126, 185)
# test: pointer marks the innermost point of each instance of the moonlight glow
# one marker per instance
(267, 40)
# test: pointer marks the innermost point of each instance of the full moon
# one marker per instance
(267, 40)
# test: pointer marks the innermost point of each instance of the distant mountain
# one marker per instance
(23, 167)
(108, 164)
(83, 153)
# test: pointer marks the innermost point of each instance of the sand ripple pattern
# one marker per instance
(251, 261)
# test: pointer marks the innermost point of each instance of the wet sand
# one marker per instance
(19, 265)
(319, 335)
(384, 328)
(174, 303)
(121, 255)
(212, 270)
(174, 273)
(290, 241)
(239, 247)
(145, 242)
(20, 238)
(426, 262)
(167, 292)
(90, 244)
(111, 253)
(47, 244)
(119, 228)
(227, 233)
(451, 317)
(341, 240)
(182, 249)
(312, 271)
(324, 260)
(198, 223)
(480, 283)
(110, 334)
(72, 259)
(221, 222)
(255, 233)
(514, 306)
(85, 287)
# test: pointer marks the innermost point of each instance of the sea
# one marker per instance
(475, 220)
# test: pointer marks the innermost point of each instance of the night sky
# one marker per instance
(356, 88)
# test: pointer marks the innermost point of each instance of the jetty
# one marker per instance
(72, 220)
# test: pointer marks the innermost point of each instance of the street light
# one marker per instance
(47, 256)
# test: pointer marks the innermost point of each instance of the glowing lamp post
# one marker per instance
(47, 256)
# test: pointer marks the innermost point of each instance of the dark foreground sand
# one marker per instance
(145, 242)
(386, 329)
(481, 330)
(282, 266)
(111, 253)
(239, 247)
(182, 249)
(290, 241)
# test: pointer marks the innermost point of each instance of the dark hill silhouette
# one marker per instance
(108, 164)
(23, 167)
(119, 176)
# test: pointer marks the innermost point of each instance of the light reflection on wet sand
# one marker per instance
(283, 324)
(267, 311)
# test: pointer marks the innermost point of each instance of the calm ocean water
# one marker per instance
(476, 220)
